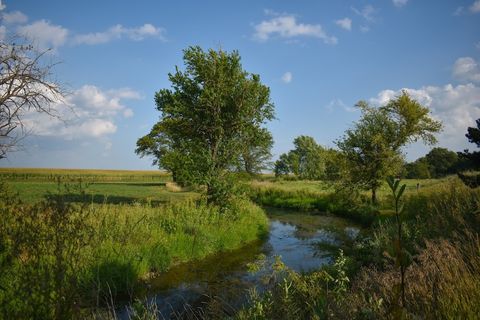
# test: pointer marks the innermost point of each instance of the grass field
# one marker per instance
(321, 187)
(105, 238)
(100, 186)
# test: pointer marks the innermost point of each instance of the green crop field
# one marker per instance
(99, 186)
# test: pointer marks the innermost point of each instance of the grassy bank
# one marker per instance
(57, 256)
(440, 241)
(322, 197)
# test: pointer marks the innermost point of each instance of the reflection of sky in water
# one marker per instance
(299, 254)
(299, 249)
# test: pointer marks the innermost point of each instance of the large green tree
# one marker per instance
(211, 117)
(372, 148)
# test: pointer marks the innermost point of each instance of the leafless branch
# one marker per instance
(26, 85)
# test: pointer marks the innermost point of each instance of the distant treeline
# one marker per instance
(439, 162)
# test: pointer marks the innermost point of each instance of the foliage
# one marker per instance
(296, 296)
(255, 158)
(212, 110)
(437, 163)
(307, 160)
(472, 159)
(419, 169)
(56, 256)
(401, 255)
(372, 147)
(40, 257)
(26, 85)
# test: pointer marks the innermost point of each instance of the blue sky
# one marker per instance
(318, 58)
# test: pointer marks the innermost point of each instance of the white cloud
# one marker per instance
(364, 29)
(466, 68)
(128, 113)
(475, 7)
(477, 45)
(399, 3)
(2, 6)
(367, 12)
(345, 23)
(456, 106)
(287, 77)
(286, 26)
(88, 112)
(44, 34)
(118, 32)
(14, 17)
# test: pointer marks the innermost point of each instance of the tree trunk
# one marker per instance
(374, 195)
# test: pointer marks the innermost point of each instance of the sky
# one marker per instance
(318, 57)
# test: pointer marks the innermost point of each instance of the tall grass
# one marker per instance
(345, 203)
(58, 258)
(440, 235)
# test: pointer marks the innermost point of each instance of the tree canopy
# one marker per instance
(306, 161)
(372, 148)
(473, 158)
(437, 163)
(211, 120)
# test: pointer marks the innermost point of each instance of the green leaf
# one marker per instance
(390, 182)
(402, 189)
(395, 186)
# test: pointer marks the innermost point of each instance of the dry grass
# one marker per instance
(441, 284)
(173, 187)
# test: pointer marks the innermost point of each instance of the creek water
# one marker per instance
(303, 241)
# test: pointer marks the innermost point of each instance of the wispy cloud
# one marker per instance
(287, 77)
(47, 35)
(345, 23)
(118, 32)
(399, 3)
(368, 12)
(336, 104)
(459, 11)
(286, 26)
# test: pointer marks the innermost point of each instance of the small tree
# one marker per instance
(473, 136)
(306, 160)
(25, 85)
(212, 116)
(471, 160)
(372, 148)
(255, 156)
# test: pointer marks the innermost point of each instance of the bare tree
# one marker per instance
(26, 85)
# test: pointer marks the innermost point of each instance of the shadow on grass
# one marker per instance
(114, 280)
(134, 184)
(104, 199)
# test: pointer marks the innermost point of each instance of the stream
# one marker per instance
(303, 241)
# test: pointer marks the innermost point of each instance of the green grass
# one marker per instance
(103, 192)
(106, 238)
(321, 196)
(100, 186)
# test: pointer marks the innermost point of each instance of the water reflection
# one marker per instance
(304, 242)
